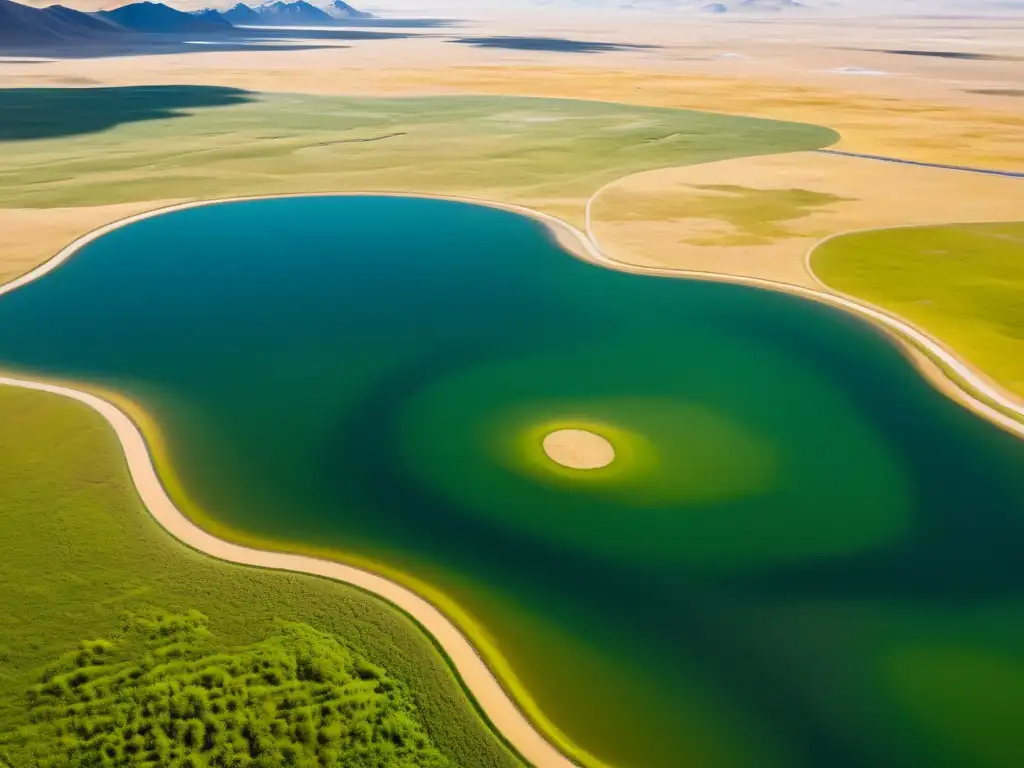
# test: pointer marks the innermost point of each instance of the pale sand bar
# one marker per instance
(578, 449)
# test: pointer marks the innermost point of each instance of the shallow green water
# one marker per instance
(802, 555)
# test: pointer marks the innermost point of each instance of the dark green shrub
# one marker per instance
(299, 698)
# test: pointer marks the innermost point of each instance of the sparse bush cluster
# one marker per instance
(166, 693)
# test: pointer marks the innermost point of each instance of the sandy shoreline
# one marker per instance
(475, 674)
(967, 386)
(481, 682)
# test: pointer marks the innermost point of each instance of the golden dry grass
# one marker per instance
(118, 151)
(760, 216)
(895, 121)
(872, 124)
(30, 236)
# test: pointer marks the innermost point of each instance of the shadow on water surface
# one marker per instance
(961, 55)
(555, 44)
(46, 113)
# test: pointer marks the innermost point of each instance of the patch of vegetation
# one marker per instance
(751, 216)
(505, 148)
(758, 216)
(961, 283)
(47, 113)
(165, 692)
(80, 552)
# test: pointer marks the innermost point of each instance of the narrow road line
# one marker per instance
(882, 158)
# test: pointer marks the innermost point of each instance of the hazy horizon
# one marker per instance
(472, 7)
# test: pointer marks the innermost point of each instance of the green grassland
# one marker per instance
(86, 572)
(134, 144)
(962, 283)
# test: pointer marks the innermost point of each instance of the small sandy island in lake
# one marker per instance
(578, 449)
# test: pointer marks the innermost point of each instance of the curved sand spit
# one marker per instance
(478, 678)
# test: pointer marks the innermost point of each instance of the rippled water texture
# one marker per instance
(801, 555)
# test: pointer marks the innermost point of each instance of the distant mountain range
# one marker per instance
(162, 19)
(296, 13)
(22, 25)
(241, 15)
(755, 6)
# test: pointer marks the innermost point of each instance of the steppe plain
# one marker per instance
(889, 90)
(935, 90)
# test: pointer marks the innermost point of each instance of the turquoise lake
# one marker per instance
(802, 556)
